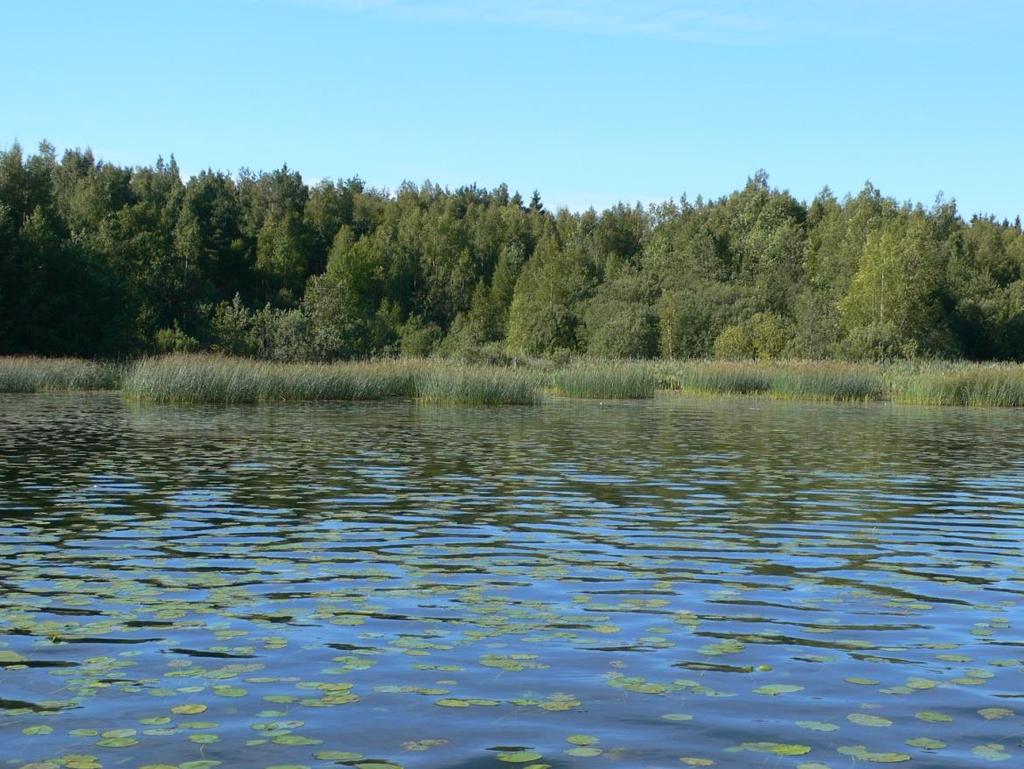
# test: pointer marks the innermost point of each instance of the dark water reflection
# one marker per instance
(748, 583)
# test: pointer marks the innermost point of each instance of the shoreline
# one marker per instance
(213, 379)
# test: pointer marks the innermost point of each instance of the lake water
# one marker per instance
(575, 584)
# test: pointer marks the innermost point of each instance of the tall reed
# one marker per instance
(959, 385)
(605, 380)
(479, 385)
(200, 378)
(218, 379)
(28, 374)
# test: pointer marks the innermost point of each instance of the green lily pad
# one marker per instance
(778, 748)
(993, 751)
(865, 719)
(926, 743)
(933, 717)
(862, 753)
(189, 710)
(818, 726)
(991, 714)
(519, 756)
(295, 739)
(774, 690)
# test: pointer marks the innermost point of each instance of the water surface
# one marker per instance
(741, 582)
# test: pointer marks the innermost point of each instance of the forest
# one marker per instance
(103, 261)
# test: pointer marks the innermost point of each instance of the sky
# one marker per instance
(591, 102)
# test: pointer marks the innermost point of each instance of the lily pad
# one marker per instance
(519, 756)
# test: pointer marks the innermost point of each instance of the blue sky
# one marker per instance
(590, 101)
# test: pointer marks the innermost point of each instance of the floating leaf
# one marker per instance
(519, 756)
(991, 714)
(993, 751)
(229, 691)
(933, 717)
(295, 739)
(818, 726)
(778, 748)
(189, 710)
(926, 743)
(862, 753)
(865, 719)
(774, 690)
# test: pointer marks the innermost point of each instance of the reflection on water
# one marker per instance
(577, 584)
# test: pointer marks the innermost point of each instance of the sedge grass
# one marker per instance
(29, 374)
(217, 379)
(199, 378)
(605, 380)
(959, 385)
(478, 385)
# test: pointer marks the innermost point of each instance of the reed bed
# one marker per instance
(836, 382)
(199, 378)
(218, 379)
(28, 374)
(716, 378)
(959, 385)
(215, 379)
(608, 380)
(478, 385)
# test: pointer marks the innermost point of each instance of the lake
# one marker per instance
(733, 583)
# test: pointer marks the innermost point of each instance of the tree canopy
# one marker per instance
(100, 260)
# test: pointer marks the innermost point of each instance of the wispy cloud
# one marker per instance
(693, 20)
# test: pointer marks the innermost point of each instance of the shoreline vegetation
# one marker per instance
(100, 261)
(219, 379)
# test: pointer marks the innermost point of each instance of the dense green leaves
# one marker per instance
(99, 260)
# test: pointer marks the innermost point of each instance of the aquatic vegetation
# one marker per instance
(476, 385)
(715, 378)
(777, 748)
(216, 379)
(876, 757)
(608, 380)
(208, 378)
(959, 385)
(28, 374)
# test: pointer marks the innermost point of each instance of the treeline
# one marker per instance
(99, 260)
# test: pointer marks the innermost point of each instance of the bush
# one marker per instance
(622, 330)
(173, 339)
(417, 338)
(736, 343)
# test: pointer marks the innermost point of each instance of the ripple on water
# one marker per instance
(568, 585)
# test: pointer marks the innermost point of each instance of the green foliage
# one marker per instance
(736, 343)
(894, 299)
(545, 312)
(417, 338)
(174, 340)
(764, 336)
(106, 261)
